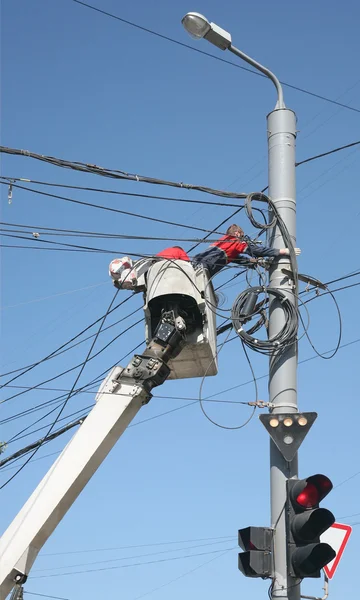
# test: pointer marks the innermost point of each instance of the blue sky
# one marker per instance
(82, 86)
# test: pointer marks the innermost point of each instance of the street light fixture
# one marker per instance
(199, 27)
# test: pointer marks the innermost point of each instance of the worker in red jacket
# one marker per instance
(228, 248)
(174, 253)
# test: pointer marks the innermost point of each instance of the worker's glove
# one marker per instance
(118, 266)
(287, 251)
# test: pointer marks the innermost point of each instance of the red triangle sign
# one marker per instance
(337, 536)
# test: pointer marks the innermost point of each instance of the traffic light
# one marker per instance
(256, 561)
(305, 522)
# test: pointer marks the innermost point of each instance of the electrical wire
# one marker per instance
(221, 392)
(183, 575)
(278, 342)
(307, 160)
(30, 367)
(113, 173)
(161, 560)
(70, 347)
(18, 436)
(76, 366)
(54, 232)
(213, 56)
(10, 180)
(45, 595)
(20, 247)
(57, 399)
(244, 403)
(112, 560)
(65, 401)
(105, 208)
(33, 461)
(340, 328)
(36, 445)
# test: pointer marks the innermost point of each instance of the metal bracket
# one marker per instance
(305, 278)
(262, 404)
(325, 588)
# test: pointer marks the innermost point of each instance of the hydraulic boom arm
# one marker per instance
(119, 399)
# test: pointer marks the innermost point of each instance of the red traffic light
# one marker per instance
(308, 493)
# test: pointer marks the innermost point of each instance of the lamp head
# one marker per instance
(199, 27)
(196, 25)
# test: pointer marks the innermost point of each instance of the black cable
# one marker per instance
(133, 564)
(35, 446)
(27, 369)
(201, 400)
(302, 162)
(277, 343)
(54, 232)
(11, 180)
(19, 247)
(55, 354)
(87, 550)
(113, 173)
(218, 58)
(33, 409)
(95, 381)
(45, 595)
(340, 327)
(79, 364)
(66, 400)
(18, 436)
(222, 391)
(106, 208)
(154, 553)
(77, 246)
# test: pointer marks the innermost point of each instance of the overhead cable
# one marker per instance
(27, 369)
(130, 194)
(160, 560)
(307, 160)
(213, 56)
(82, 367)
(116, 173)
(106, 208)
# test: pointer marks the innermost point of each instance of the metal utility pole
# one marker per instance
(290, 550)
(281, 125)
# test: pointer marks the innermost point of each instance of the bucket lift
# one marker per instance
(176, 285)
(181, 342)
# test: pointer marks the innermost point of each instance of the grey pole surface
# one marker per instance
(282, 378)
(281, 124)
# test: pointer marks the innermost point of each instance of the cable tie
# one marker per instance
(137, 178)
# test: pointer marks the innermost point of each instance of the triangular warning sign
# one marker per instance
(337, 536)
(288, 430)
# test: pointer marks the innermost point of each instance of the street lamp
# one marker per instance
(199, 27)
(281, 133)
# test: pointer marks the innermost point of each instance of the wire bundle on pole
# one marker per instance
(239, 316)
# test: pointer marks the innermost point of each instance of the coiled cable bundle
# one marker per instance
(246, 307)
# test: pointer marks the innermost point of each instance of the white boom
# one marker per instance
(118, 403)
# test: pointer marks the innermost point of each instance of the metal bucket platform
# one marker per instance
(177, 282)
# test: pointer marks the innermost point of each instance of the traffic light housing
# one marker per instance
(305, 522)
(256, 561)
